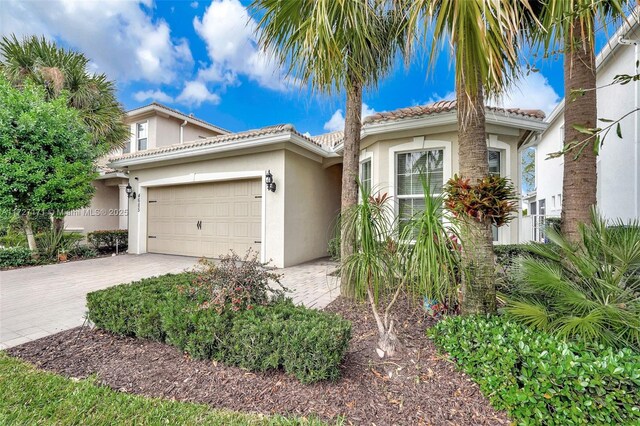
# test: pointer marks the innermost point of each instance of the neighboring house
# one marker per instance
(206, 196)
(619, 159)
(152, 126)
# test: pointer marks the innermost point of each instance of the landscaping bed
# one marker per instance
(416, 386)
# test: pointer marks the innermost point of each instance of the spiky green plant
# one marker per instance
(372, 267)
(589, 290)
(432, 258)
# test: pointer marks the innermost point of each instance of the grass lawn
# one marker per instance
(31, 396)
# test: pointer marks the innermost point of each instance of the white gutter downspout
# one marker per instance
(182, 131)
(636, 148)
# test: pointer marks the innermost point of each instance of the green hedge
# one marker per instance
(15, 256)
(108, 239)
(306, 343)
(539, 379)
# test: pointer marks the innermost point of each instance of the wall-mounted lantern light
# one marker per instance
(268, 179)
(130, 193)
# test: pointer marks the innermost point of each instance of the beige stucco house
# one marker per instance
(204, 196)
(152, 126)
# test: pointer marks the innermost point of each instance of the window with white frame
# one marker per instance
(494, 158)
(411, 169)
(365, 174)
(141, 135)
(495, 162)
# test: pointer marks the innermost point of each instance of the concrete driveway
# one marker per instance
(43, 300)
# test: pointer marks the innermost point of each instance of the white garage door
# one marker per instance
(205, 219)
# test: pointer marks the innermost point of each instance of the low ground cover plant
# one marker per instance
(305, 343)
(540, 379)
(30, 396)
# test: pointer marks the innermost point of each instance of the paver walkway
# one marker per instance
(39, 301)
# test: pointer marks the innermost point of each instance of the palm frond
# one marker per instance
(591, 291)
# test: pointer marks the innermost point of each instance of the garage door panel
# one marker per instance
(230, 214)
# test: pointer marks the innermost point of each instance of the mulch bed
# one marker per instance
(415, 387)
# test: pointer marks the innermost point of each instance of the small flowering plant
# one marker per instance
(235, 283)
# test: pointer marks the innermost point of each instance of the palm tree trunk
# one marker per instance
(478, 283)
(350, 167)
(580, 180)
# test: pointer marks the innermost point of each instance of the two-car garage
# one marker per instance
(207, 197)
(205, 219)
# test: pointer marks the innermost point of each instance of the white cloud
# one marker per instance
(229, 33)
(531, 92)
(336, 122)
(195, 93)
(120, 37)
(449, 96)
(153, 95)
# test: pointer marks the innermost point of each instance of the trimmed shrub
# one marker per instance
(539, 379)
(82, 251)
(307, 344)
(11, 257)
(134, 309)
(108, 239)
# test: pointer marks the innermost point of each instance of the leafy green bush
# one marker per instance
(82, 251)
(108, 239)
(539, 379)
(306, 343)
(134, 309)
(15, 256)
(588, 291)
(508, 254)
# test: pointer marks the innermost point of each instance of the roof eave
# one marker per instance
(444, 118)
(253, 142)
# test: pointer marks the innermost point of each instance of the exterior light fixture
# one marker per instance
(268, 179)
(130, 193)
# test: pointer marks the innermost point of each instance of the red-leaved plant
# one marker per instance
(493, 198)
(236, 283)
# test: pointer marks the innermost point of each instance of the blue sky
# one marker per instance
(199, 56)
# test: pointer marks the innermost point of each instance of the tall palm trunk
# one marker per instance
(350, 167)
(579, 183)
(478, 283)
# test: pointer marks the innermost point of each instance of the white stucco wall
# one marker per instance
(618, 162)
(167, 131)
(103, 213)
(312, 202)
(549, 170)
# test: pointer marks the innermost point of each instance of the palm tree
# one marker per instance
(334, 45)
(572, 24)
(58, 69)
(483, 37)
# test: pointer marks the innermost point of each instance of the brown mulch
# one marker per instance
(415, 387)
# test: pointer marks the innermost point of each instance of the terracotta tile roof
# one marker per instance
(180, 113)
(444, 106)
(329, 140)
(230, 137)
